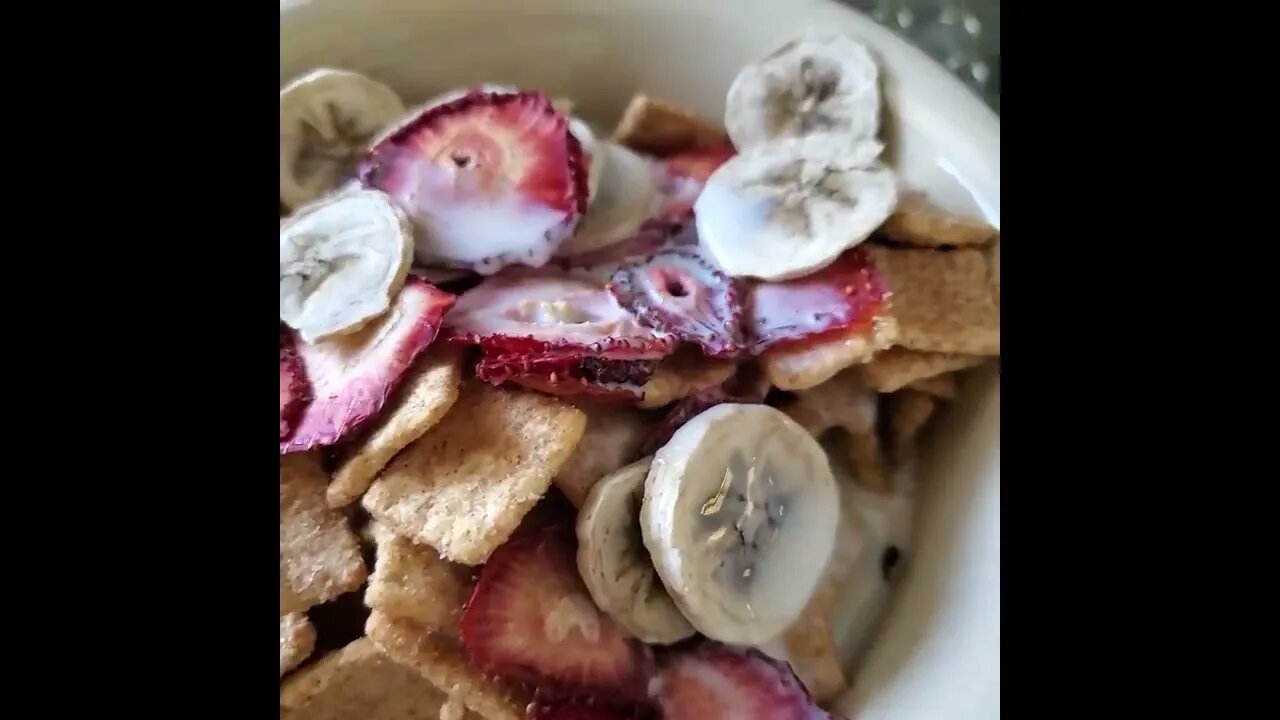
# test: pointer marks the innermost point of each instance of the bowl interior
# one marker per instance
(938, 653)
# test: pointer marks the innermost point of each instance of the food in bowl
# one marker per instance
(605, 427)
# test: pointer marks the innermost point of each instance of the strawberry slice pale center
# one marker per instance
(488, 180)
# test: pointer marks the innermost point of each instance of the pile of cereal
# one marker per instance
(575, 427)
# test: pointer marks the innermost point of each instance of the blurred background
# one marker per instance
(963, 35)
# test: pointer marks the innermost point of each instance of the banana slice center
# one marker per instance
(742, 519)
(739, 517)
(805, 103)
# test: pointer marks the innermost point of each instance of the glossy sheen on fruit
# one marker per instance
(489, 180)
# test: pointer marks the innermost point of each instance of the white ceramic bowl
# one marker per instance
(938, 656)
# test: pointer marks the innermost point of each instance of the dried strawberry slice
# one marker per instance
(534, 313)
(530, 618)
(678, 291)
(562, 386)
(569, 374)
(499, 368)
(352, 375)
(488, 179)
(711, 681)
(295, 391)
(849, 292)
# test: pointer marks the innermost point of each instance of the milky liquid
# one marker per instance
(469, 219)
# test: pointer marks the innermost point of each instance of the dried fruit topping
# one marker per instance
(626, 196)
(681, 177)
(499, 368)
(711, 681)
(352, 375)
(849, 292)
(569, 374)
(531, 618)
(488, 179)
(678, 291)
(536, 313)
(295, 391)
(567, 386)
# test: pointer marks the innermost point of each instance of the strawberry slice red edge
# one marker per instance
(530, 618)
(331, 416)
(381, 157)
(499, 368)
(609, 348)
(713, 681)
(570, 387)
(569, 374)
(849, 292)
(679, 292)
(295, 390)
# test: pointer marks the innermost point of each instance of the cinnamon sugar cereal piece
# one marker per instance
(419, 403)
(811, 647)
(682, 374)
(918, 222)
(943, 300)
(358, 681)
(898, 367)
(942, 387)
(443, 661)
(319, 555)
(810, 643)
(412, 581)
(657, 127)
(868, 460)
(612, 439)
(463, 487)
(297, 640)
(908, 412)
(845, 403)
(806, 365)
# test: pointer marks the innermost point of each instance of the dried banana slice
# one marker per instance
(327, 120)
(342, 262)
(790, 207)
(816, 84)
(627, 196)
(614, 564)
(739, 516)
